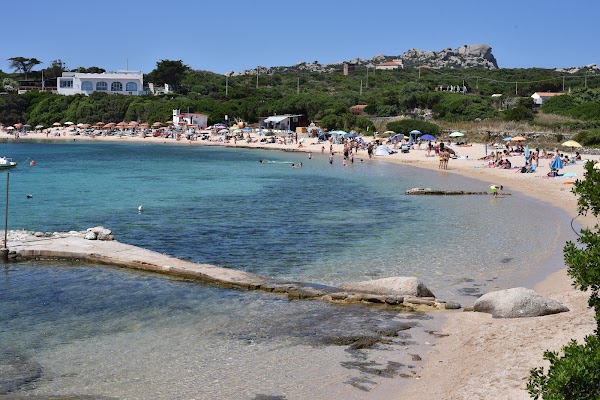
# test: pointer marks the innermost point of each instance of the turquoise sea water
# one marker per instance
(113, 332)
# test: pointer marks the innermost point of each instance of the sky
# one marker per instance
(223, 36)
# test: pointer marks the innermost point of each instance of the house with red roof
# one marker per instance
(540, 97)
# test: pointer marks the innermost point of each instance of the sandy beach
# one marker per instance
(482, 357)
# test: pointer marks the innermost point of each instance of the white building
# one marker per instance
(540, 97)
(120, 82)
(198, 120)
(394, 64)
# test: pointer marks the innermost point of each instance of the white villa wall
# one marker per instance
(122, 77)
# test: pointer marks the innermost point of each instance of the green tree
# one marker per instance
(55, 70)
(575, 374)
(90, 70)
(22, 64)
(169, 72)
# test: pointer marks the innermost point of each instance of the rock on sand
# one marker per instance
(397, 285)
(516, 303)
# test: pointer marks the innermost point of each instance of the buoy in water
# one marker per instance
(140, 208)
(32, 163)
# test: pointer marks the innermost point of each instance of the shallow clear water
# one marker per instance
(125, 334)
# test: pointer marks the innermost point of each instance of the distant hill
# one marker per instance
(467, 56)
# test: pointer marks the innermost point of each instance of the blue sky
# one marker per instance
(222, 36)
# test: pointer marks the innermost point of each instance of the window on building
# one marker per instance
(131, 87)
(116, 87)
(102, 86)
(66, 83)
(87, 86)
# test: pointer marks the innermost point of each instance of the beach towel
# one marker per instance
(570, 174)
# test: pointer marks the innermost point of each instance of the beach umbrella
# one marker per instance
(456, 134)
(427, 137)
(39, 127)
(79, 125)
(10, 128)
(507, 139)
(557, 163)
(69, 123)
(157, 124)
(518, 139)
(18, 126)
(572, 144)
(56, 124)
(389, 133)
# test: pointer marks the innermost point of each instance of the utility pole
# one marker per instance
(563, 83)
(477, 84)
(367, 76)
(516, 88)
(226, 85)
(585, 82)
(419, 72)
(361, 87)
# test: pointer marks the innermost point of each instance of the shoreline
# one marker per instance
(482, 357)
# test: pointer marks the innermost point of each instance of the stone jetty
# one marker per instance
(81, 246)
(437, 192)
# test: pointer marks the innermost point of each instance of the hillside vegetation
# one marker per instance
(327, 96)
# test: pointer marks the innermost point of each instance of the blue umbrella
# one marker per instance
(557, 163)
(427, 137)
(507, 139)
(527, 153)
(350, 135)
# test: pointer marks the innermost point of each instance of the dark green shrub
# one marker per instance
(407, 125)
(573, 375)
(588, 137)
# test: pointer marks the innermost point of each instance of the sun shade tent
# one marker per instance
(383, 151)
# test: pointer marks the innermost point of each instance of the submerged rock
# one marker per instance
(16, 371)
(396, 285)
(516, 303)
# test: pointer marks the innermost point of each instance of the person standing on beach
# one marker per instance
(446, 158)
(370, 150)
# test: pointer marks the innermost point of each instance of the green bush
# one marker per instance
(588, 137)
(407, 125)
(573, 375)
(519, 113)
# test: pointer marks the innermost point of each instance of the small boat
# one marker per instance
(6, 163)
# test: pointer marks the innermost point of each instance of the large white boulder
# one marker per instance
(516, 303)
(396, 285)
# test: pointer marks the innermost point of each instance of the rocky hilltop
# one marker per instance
(467, 56)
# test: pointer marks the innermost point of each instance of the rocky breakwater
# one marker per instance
(439, 192)
(97, 245)
(99, 233)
